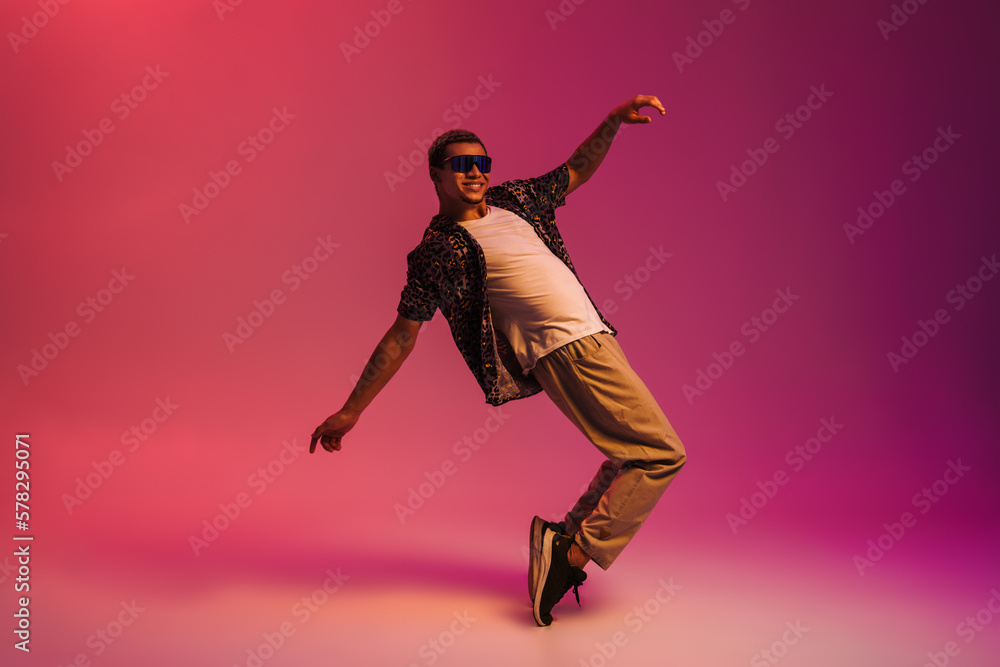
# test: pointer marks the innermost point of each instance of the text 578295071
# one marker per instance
(22, 549)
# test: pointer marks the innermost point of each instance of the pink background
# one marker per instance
(324, 176)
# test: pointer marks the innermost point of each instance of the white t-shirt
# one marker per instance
(535, 300)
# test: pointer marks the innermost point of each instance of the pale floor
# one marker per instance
(698, 608)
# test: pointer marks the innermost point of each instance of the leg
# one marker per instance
(593, 385)
(587, 503)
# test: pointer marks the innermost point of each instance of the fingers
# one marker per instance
(655, 103)
(649, 101)
(331, 443)
(636, 119)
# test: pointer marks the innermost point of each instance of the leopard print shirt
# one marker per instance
(447, 270)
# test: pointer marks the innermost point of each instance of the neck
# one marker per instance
(459, 211)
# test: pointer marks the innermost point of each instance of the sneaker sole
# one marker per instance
(535, 549)
(541, 574)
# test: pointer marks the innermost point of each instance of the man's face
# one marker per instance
(469, 187)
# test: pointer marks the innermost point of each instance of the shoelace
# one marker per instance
(572, 582)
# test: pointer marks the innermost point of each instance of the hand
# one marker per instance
(629, 111)
(330, 432)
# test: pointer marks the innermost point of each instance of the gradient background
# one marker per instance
(324, 176)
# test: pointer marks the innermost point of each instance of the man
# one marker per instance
(494, 261)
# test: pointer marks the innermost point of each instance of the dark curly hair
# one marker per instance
(435, 154)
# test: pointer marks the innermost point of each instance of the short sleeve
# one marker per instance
(542, 195)
(418, 300)
(550, 189)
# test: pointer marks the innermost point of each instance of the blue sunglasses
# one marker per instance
(463, 163)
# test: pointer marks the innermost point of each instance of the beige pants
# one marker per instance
(592, 383)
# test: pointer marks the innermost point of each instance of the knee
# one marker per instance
(678, 453)
(677, 461)
(673, 456)
(674, 463)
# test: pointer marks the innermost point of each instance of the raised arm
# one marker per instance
(588, 157)
(392, 350)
